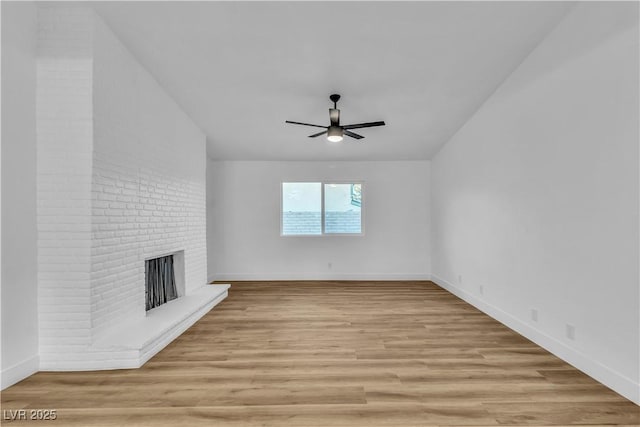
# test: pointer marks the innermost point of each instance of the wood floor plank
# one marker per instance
(564, 413)
(334, 353)
(541, 392)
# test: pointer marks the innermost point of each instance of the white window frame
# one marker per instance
(322, 184)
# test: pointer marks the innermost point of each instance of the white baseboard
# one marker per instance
(319, 276)
(609, 377)
(19, 371)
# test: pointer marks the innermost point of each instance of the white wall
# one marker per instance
(244, 223)
(536, 197)
(19, 234)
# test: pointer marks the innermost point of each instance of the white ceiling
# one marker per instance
(240, 69)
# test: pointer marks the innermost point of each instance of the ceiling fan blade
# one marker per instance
(363, 125)
(334, 116)
(305, 124)
(318, 134)
(353, 135)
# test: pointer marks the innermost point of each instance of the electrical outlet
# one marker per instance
(329, 265)
(571, 332)
(459, 279)
(481, 290)
(534, 314)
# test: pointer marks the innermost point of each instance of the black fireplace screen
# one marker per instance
(160, 281)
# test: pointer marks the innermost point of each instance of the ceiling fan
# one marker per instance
(335, 131)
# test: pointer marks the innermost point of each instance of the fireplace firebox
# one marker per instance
(160, 281)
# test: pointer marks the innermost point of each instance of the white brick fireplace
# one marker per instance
(121, 179)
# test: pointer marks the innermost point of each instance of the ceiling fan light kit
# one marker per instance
(335, 132)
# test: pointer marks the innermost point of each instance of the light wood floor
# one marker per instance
(331, 354)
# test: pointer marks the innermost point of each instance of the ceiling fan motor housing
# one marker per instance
(334, 116)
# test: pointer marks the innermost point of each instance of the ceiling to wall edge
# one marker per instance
(502, 82)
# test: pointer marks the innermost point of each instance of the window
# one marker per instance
(316, 208)
(301, 208)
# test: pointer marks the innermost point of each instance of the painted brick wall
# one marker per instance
(121, 178)
(64, 147)
(148, 186)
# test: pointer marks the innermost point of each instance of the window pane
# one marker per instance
(342, 208)
(301, 208)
